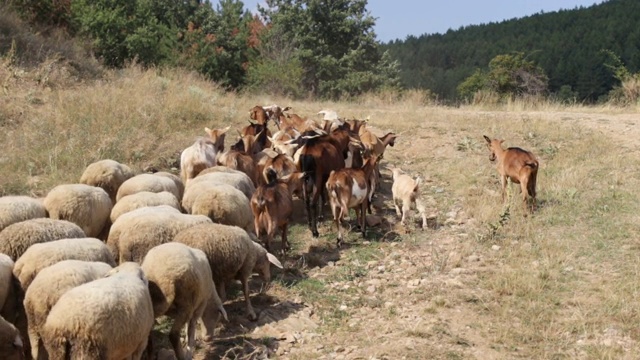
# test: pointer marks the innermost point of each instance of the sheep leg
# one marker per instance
(174, 336)
(191, 330)
(245, 289)
(140, 350)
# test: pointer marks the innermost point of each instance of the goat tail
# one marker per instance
(271, 175)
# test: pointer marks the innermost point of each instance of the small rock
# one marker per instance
(381, 269)
(371, 289)
(339, 349)
(495, 248)
(331, 263)
(343, 307)
(473, 258)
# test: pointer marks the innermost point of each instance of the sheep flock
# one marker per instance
(86, 270)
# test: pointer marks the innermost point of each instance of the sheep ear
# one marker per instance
(487, 138)
(274, 260)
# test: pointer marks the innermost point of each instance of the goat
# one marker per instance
(405, 190)
(282, 164)
(316, 158)
(202, 154)
(351, 189)
(241, 156)
(518, 165)
(272, 206)
(287, 121)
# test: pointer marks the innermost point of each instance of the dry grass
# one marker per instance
(560, 284)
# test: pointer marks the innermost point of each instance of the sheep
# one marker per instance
(39, 256)
(223, 204)
(142, 233)
(142, 199)
(108, 318)
(232, 255)
(406, 191)
(108, 175)
(351, 189)
(7, 292)
(181, 287)
(14, 209)
(272, 206)
(237, 179)
(176, 180)
(125, 220)
(197, 157)
(518, 165)
(17, 238)
(149, 182)
(11, 346)
(87, 206)
(48, 286)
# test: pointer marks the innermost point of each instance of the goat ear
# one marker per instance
(207, 130)
(487, 138)
(501, 141)
(274, 260)
(287, 108)
(222, 131)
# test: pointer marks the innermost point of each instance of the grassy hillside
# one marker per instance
(562, 283)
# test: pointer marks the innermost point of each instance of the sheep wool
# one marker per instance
(108, 175)
(14, 209)
(39, 256)
(6, 271)
(18, 237)
(225, 175)
(142, 233)
(47, 287)
(108, 318)
(125, 221)
(232, 254)
(181, 286)
(143, 199)
(224, 204)
(149, 182)
(87, 206)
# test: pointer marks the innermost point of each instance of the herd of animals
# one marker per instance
(86, 270)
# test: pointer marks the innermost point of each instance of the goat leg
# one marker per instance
(285, 242)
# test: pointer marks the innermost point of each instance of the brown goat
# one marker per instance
(518, 165)
(317, 158)
(272, 206)
(351, 189)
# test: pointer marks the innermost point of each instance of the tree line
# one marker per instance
(570, 51)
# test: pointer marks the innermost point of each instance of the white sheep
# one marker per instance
(124, 221)
(176, 180)
(149, 182)
(223, 204)
(17, 238)
(39, 256)
(11, 346)
(87, 206)
(197, 157)
(108, 175)
(225, 175)
(6, 283)
(48, 286)
(406, 192)
(108, 318)
(14, 209)
(140, 234)
(143, 199)
(181, 287)
(232, 255)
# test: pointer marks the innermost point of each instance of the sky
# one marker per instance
(396, 19)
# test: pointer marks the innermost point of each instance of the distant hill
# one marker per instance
(567, 44)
